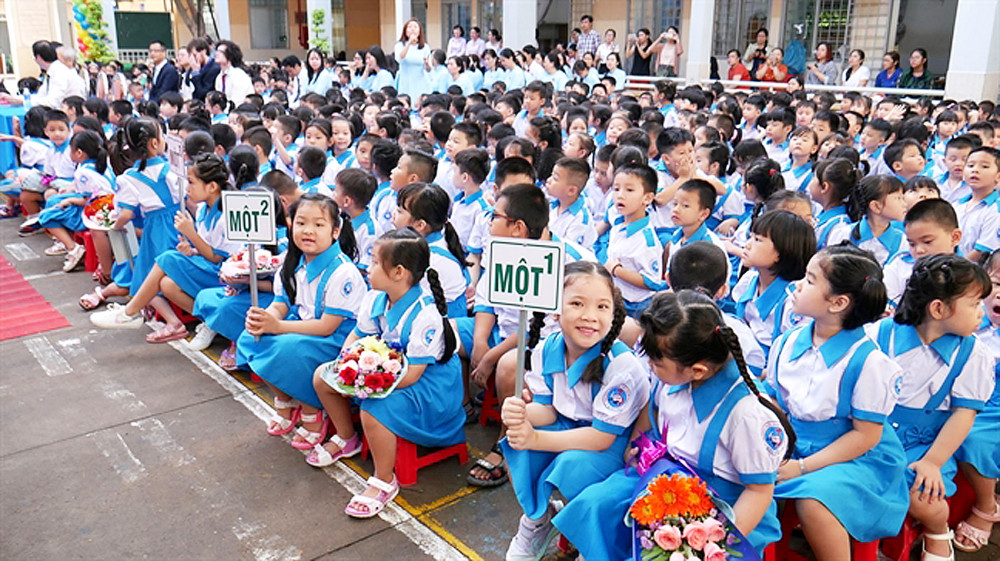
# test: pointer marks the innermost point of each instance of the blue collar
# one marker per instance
(990, 199)
(345, 156)
(772, 295)
(554, 359)
(574, 208)
(833, 349)
(891, 239)
(907, 339)
(360, 220)
(150, 162)
(210, 214)
(461, 197)
(831, 213)
(320, 263)
(699, 235)
(711, 392)
(394, 313)
(636, 226)
(434, 237)
(311, 184)
(799, 171)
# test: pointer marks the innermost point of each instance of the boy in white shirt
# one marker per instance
(569, 218)
(309, 168)
(463, 136)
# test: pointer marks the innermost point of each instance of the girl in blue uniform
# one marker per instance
(63, 213)
(426, 406)
(583, 391)
(151, 190)
(848, 469)
(317, 297)
(979, 456)
(706, 409)
(779, 247)
(947, 378)
(831, 185)
(878, 208)
(424, 207)
(223, 309)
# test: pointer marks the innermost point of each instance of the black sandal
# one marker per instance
(471, 413)
(498, 472)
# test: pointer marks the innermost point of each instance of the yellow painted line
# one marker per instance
(447, 536)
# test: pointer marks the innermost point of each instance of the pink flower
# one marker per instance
(667, 537)
(392, 366)
(714, 529)
(696, 535)
(677, 556)
(714, 553)
(369, 360)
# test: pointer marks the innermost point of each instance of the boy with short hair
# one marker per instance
(259, 138)
(779, 123)
(874, 137)
(352, 193)
(825, 123)
(804, 113)
(309, 167)
(56, 163)
(284, 131)
(905, 159)
(950, 181)
(413, 166)
(753, 107)
(693, 204)
(463, 136)
(385, 155)
(470, 209)
(569, 218)
(536, 93)
(931, 227)
(288, 191)
(119, 108)
(978, 212)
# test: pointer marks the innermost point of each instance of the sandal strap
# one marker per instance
(995, 517)
(381, 485)
(312, 417)
(308, 435)
(340, 442)
(497, 449)
(323, 455)
(281, 421)
(950, 535)
(485, 464)
(282, 403)
(371, 502)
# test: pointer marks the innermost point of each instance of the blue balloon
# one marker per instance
(85, 25)
(79, 17)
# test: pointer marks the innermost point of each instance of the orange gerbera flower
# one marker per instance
(671, 497)
(643, 512)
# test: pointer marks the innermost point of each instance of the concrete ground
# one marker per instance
(115, 449)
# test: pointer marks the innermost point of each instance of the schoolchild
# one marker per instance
(878, 208)
(413, 166)
(341, 156)
(979, 212)
(470, 201)
(931, 227)
(310, 164)
(569, 218)
(354, 190)
(802, 146)
(950, 180)
(832, 183)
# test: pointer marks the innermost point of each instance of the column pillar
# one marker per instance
(108, 6)
(520, 21)
(974, 65)
(698, 46)
(221, 13)
(404, 11)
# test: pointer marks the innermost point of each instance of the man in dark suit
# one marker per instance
(165, 76)
(204, 69)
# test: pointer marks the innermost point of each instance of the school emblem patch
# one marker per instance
(774, 436)
(347, 288)
(897, 385)
(429, 335)
(617, 396)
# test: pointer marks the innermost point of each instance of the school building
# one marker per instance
(962, 37)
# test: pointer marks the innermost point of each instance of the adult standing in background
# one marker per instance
(889, 76)
(856, 75)
(165, 76)
(475, 45)
(756, 53)
(411, 51)
(824, 70)
(296, 88)
(607, 47)
(182, 61)
(232, 79)
(60, 80)
(670, 48)
(917, 77)
(204, 69)
(589, 39)
(456, 45)
(318, 78)
(639, 49)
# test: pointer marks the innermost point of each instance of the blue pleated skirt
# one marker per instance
(70, 218)
(287, 361)
(158, 236)
(536, 474)
(428, 413)
(227, 315)
(192, 273)
(982, 447)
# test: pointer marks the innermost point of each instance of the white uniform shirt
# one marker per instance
(58, 162)
(34, 151)
(883, 247)
(764, 304)
(753, 353)
(895, 274)
(425, 344)
(382, 206)
(133, 193)
(445, 177)
(980, 223)
(638, 249)
(809, 377)
(597, 200)
(466, 211)
(87, 180)
(453, 280)
(612, 406)
(777, 152)
(366, 231)
(574, 223)
(479, 234)
(211, 226)
(336, 164)
(345, 289)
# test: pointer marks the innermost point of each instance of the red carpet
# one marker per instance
(23, 311)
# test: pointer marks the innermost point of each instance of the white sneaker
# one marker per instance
(202, 339)
(73, 257)
(114, 317)
(532, 539)
(57, 248)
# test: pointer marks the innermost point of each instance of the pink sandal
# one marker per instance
(306, 439)
(227, 360)
(321, 457)
(279, 425)
(167, 333)
(92, 300)
(368, 507)
(977, 536)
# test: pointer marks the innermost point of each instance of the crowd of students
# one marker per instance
(797, 294)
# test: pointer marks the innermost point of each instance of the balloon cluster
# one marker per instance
(91, 37)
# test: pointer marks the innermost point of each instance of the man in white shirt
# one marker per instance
(293, 66)
(60, 81)
(232, 80)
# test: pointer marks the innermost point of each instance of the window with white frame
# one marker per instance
(655, 15)
(737, 22)
(268, 24)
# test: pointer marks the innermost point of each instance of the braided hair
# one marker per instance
(338, 219)
(430, 203)
(405, 247)
(944, 277)
(139, 132)
(594, 371)
(687, 327)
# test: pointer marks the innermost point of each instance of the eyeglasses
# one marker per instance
(493, 215)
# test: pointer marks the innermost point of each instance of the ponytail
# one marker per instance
(434, 281)
(92, 144)
(348, 242)
(139, 132)
(454, 243)
(594, 372)
(294, 254)
(732, 341)
(534, 334)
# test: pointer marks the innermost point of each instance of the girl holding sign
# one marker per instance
(584, 390)
(181, 273)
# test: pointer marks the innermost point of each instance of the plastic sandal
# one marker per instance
(92, 300)
(167, 333)
(307, 439)
(321, 457)
(497, 472)
(279, 425)
(924, 556)
(976, 536)
(368, 507)
(227, 360)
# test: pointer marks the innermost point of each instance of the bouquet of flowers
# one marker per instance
(100, 214)
(676, 518)
(370, 368)
(238, 264)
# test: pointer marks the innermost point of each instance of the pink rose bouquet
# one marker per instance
(368, 369)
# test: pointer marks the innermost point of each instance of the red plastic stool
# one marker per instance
(408, 461)
(181, 314)
(490, 410)
(90, 260)
(789, 521)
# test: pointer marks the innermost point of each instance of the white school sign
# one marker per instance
(249, 216)
(526, 274)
